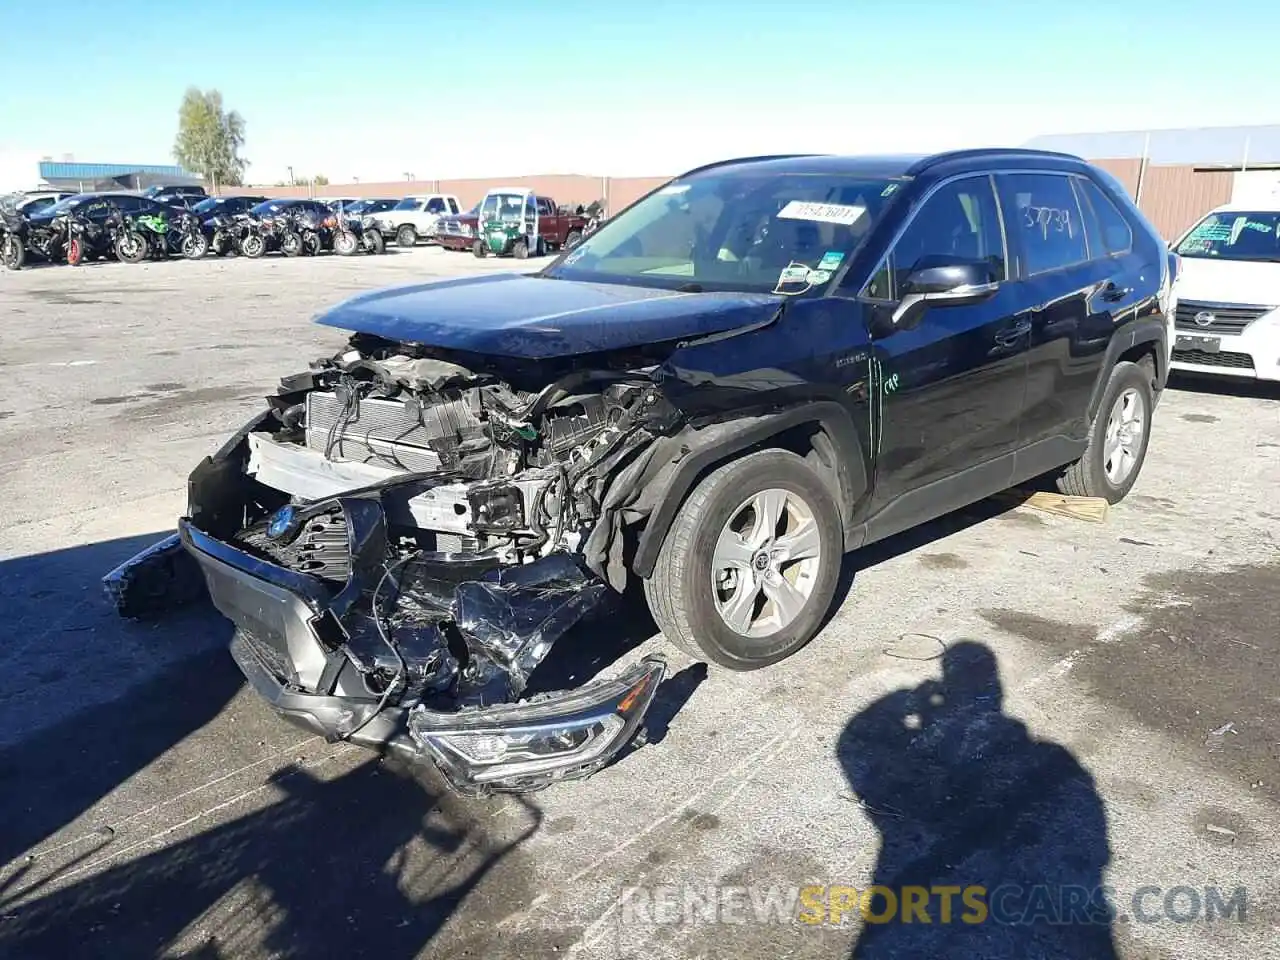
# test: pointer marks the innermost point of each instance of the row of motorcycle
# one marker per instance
(76, 237)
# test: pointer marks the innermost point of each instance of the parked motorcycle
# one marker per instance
(253, 235)
(351, 235)
(13, 238)
(193, 243)
(303, 233)
(224, 233)
(87, 240)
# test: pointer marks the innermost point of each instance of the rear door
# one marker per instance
(1077, 274)
(950, 388)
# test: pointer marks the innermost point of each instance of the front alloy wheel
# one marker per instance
(766, 563)
(747, 572)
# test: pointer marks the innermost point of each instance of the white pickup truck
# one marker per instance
(414, 217)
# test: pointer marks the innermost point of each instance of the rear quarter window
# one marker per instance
(1115, 236)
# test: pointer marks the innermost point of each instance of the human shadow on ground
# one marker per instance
(965, 798)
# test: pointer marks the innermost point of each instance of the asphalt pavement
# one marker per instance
(1113, 687)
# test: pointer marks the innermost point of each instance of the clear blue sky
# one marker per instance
(380, 87)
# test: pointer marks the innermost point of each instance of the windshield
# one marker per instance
(210, 205)
(747, 230)
(503, 206)
(1235, 235)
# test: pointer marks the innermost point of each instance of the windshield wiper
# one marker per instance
(689, 288)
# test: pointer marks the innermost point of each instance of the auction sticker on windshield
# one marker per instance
(821, 212)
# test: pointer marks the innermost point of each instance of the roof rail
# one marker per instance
(761, 159)
(924, 164)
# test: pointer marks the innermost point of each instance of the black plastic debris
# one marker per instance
(161, 578)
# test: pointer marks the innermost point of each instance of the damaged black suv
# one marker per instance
(754, 369)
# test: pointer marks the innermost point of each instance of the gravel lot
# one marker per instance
(152, 806)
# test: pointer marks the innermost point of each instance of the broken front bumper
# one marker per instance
(310, 681)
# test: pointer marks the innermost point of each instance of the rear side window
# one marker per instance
(1041, 210)
(1116, 234)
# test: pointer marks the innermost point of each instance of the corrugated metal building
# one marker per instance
(1177, 176)
(112, 176)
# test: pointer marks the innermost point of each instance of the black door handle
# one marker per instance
(1111, 293)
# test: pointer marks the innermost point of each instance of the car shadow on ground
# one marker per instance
(1225, 386)
(88, 699)
(365, 864)
(1008, 830)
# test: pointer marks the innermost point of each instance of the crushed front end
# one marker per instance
(400, 539)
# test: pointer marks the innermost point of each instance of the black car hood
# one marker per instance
(530, 317)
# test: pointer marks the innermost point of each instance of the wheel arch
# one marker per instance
(823, 433)
(1149, 337)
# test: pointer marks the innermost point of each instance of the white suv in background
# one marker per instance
(1227, 320)
(415, 217)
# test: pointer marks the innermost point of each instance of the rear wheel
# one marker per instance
(749, 567)
(291, 244)
(573, 239)
(311, 243)
(1118, 438)
(14, 253)
(406, 235)
(479, 249)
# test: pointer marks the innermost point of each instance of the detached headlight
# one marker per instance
(530, 745)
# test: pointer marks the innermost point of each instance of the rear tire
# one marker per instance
(291, 244)
(479, 249)
(406, 235)
(687, 592)
(572, 240)
(1118, 438)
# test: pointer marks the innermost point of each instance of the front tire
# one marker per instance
(749, 568)
(75, 252)
(374, 242)
(291, 244)
(345, 243)
(1118, 438)
(253, 246)
(131, 247)
(573, 239)
(479, 249)
(406, 235)
(14, 252)
(520, 250)
(195, 246)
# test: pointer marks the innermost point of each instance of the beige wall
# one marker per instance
(1172, 197)
(565, 188)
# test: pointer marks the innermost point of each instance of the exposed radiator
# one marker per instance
(389, 432)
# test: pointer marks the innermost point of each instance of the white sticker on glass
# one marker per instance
(822, 212)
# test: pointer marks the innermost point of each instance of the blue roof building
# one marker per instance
(112, 176)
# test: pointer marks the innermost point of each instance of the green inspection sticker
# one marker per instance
(831, 260)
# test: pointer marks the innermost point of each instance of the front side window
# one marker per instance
(1042, 211)
(746, 229)
(958, 223)
(1235, 235)
(1115, 234)
(435, 205)
(453, 205)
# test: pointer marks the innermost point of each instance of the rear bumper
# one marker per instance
(280, 616)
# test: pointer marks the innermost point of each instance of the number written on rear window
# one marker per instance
(1042, 211)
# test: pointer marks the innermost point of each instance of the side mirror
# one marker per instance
(951, 284)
